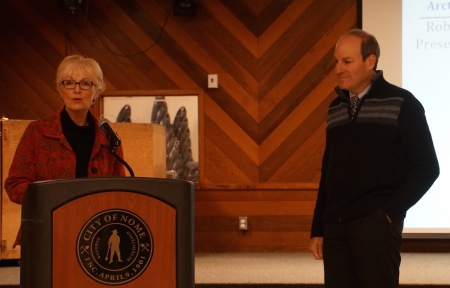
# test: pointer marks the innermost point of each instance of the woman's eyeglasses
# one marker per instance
(70, 84)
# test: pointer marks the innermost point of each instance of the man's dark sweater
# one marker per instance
(383, 158)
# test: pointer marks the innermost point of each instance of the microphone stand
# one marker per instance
(113, 151)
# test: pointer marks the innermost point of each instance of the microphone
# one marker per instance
(113, 138)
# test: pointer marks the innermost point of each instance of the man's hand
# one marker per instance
(316, 247)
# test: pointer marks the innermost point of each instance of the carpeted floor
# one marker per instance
(273, 286)
(301, 268)
(282, 270)
(295, 286)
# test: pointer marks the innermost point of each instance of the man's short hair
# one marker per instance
(369, 44)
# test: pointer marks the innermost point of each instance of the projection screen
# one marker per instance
(414, 36)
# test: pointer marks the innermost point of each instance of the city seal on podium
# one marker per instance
(114, 247)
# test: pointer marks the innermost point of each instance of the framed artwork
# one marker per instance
(178, 111)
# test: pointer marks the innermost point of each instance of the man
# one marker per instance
(379, 161)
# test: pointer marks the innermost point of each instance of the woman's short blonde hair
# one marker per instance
(84, 64)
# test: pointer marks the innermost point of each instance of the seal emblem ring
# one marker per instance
(114, 247)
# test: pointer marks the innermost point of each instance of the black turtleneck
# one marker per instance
(81, 139)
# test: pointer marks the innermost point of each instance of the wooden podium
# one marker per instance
(99, 232)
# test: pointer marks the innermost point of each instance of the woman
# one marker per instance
(69, 143)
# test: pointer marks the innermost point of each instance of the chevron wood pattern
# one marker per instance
(263, 128)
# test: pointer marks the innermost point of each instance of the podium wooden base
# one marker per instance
(160, 218)
(115, 231)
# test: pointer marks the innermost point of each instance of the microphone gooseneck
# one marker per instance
(113, 138)
(114, 141)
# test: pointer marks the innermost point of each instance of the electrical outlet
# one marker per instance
(243, 224)
(213, 81)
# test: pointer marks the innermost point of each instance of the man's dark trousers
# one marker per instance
(364, 253)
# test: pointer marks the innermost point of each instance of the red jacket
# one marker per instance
(43, 153)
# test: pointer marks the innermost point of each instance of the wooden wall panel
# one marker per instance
(263, 128)
(278, 219)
